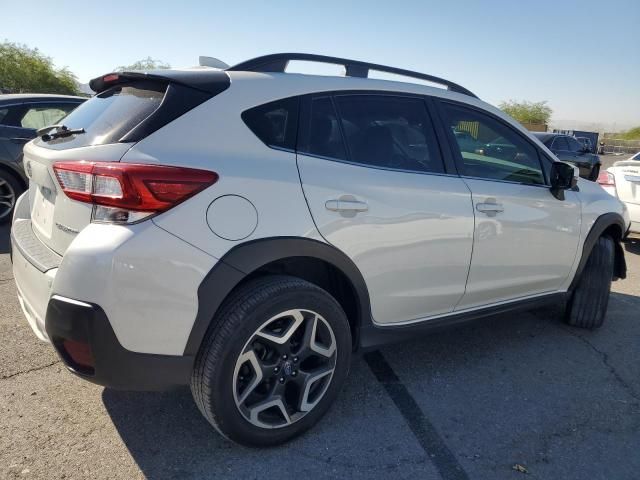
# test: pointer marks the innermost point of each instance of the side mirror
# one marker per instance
(562, 178)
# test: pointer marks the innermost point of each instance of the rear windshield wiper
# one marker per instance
(60, 131)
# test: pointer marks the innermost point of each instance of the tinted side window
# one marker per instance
(491, 149)
(560, 143)
(574, 146)
(390, 132)
(324, 136)
(10, 116)
(275, 123)
(39, 116)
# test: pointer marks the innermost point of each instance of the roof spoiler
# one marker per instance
(208, 81)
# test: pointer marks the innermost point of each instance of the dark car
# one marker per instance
(568, 149)
(20, 116)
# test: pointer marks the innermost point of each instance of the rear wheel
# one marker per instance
(273, 361)
(588, 303)
(10, 190)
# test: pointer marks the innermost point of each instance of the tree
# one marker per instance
(633, 134)
(528, 112)
(144, 64)
(23, 69)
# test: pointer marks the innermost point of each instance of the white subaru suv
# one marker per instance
(245, 230)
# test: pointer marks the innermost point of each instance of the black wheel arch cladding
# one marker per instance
(608, 223)
(244, 259)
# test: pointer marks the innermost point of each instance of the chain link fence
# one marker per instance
(618, 146)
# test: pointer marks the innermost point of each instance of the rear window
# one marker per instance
(108, 116)
(275, 123)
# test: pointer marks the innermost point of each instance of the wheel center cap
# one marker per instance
(287, 368)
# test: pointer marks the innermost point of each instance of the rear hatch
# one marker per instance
(127, 108)
(627, 174)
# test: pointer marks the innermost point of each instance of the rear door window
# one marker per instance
(108, 116)
(389, 132)
(42, 115)
(10, 116)
(324, 138)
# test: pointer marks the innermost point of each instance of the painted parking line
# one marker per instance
(426, 434)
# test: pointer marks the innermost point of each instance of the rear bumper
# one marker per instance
(113, 365)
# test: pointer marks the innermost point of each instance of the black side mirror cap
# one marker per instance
(561, 178)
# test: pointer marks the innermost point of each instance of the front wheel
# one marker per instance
(273, 361)
(588, 303)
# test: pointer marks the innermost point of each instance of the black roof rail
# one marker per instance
(278, 62)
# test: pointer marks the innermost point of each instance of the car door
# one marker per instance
(525, 239)
(377, 188)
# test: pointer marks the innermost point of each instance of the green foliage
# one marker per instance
(27, 70)
(633, 134)
(144, 64)
(528, 112)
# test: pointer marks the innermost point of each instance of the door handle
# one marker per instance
(344, 205)
(19, 140)
(491, 209)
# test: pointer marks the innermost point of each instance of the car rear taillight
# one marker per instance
(606, 179)
(126, 192)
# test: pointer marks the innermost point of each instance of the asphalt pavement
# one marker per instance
(513, 396)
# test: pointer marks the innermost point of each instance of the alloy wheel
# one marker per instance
(285, 368)
(7, 198)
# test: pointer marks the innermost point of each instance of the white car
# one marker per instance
(243, 231)
(622, 180)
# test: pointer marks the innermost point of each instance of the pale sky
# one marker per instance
(580, 56)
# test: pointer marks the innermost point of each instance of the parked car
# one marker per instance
(622, 180)
(244, 231)
(20, 116)
(568, 149)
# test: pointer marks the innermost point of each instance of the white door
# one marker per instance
(383, 198)
(525, 240)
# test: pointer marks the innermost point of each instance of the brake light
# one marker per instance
(606, 179)
(126, 192)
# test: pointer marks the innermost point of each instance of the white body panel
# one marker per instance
(412, 245)
(145, 279)
(527, 249)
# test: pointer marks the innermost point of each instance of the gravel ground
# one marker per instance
(471, 402)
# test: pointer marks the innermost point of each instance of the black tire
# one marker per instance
(595, 171)
(213, 381)
(587, 305)
(9, 185)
